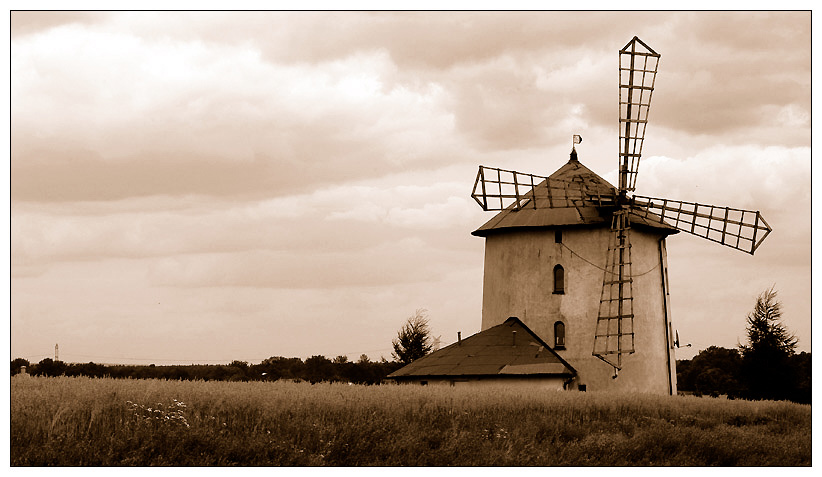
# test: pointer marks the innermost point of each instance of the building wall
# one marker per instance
(546, 383)
(518, 281)
(672, 356)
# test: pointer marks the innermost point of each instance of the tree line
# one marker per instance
(713, 372)
(722, 371)
(413, 341)
(766, 367)
(314, 369)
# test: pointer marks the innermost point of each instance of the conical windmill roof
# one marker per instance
(546, 216)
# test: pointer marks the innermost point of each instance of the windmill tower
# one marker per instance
(584, 264)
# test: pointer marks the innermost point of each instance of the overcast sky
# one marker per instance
(204, 187)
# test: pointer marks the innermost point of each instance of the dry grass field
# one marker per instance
(85, 421)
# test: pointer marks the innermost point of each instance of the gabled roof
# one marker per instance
(496, 351)
(544, 216)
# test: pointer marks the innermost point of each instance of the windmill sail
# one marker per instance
(637, 73)
(736, 228)
(615, 322)
(500, 189)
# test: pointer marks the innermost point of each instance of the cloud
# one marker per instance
(27, 23)
(416, 41)
(176, 173)
(114, 116)
(382, 265)
(714, 82)
(130, 108)
(338, 219)
(714, 287)
(774, 180)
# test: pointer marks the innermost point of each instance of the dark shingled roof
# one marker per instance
(544, 216)
(493, 352)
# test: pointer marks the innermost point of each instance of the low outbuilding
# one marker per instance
(508, 353)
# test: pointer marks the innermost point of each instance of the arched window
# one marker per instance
(559, 279)
(559, 335)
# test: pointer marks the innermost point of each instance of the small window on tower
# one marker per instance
(559, 335)
(559, 280)
(558, 236)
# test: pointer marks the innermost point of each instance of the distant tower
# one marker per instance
(56, 354)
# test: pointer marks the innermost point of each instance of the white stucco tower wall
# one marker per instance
(519, 281)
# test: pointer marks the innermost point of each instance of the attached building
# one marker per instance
(505, 353)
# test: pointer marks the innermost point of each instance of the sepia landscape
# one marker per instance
(319, 238)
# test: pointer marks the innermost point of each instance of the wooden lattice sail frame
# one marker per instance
(638, 65)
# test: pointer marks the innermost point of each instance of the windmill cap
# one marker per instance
(512, 219)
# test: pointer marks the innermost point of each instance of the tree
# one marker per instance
(239, 364)
(319, 368)
(765, 331)
(713, 371)
(18, 363)
(413, 339)
(766, 368)
(278, 367)
(801, 365)
(49, 367)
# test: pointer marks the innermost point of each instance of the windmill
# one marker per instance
(506, 190)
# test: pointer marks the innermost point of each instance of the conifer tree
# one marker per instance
(766, 371)
(413, 339)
